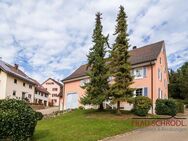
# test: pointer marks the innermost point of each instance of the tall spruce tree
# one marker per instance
(119, 66)
(97, 88)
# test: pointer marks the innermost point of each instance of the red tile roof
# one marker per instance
(137, 56)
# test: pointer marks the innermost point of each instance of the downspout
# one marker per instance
(152, 86)
(63, 96)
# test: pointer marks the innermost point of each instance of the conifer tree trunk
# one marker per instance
(101, 107)
(118, 108)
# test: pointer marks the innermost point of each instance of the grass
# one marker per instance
(83, 125)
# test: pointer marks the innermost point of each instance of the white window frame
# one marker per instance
(160, 93)
(134, 93)
(159, 74)
(142, 73)
(84, 81)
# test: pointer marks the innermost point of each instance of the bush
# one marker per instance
(186, 106)
(17, 120)
(141, 105)
(39, 115)
(179, 107)
(81, 108)
(165, 107)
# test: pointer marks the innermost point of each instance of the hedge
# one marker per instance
(17, 120)
(141, 105)
(179, 107)
(165, 107)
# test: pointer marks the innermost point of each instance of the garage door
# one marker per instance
(72, 101)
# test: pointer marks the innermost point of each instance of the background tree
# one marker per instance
(178, 86)
(119, 66)
(97, 88)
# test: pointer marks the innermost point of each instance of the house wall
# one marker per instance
(41, 98)
(3, 82)
(49, 85)
(151, 71)
(19, 88)
(163, 83)
(73, 87)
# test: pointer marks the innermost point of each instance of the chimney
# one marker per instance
(16, 66)
(134, 47)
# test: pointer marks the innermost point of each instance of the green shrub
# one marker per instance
(81, 108)
(165, 107)
(39, 115)
(141, 105)
(186, 106)
(17, 120)
(179, 107)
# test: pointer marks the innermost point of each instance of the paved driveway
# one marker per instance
(156, 133)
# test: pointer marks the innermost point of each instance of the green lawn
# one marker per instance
(82, 125)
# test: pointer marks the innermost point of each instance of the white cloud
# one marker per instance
(53, 37)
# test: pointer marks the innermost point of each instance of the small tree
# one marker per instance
(119, 66)
(97, 88)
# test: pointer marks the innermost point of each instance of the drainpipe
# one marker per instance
(151, 64)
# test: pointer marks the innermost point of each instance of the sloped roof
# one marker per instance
(60, 84)
(16, 72)
(137, 56)
(39, 87)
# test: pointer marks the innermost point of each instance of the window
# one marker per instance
(14, 93)
(30, 86)
(54, 100)
(160, 93)
(141, 91)
(49, 83)
(23, 95)
(54, 89)
(15, 81)
(159, 74)
(29, 95)
(165, 83)
(83, 82)
(139, 72)
(110, 78)
(54, 95)
(24, 84)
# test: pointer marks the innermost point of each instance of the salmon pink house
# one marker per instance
(150, 71)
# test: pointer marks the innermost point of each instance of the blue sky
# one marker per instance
(50, 38)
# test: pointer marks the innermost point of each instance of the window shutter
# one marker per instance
(159, 92)
(144, 71)
(145, 91)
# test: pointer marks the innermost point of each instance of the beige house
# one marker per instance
(41, 94)
(55, 89)
(15, 84)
